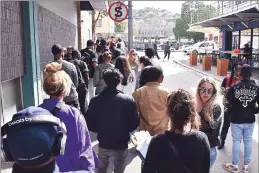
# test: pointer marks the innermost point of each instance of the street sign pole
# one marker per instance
(130, 27)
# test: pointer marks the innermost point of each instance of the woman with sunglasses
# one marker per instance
(228, 81)
(210, 108)
(133, 61)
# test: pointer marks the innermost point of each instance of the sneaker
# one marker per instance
(246, 168)
(230, 167)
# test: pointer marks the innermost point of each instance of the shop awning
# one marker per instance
(245, 15)
(97, 5)
(198, 28)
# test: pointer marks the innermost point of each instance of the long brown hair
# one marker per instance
(181, 110)
(216, 99)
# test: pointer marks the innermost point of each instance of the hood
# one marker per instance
(105, 66)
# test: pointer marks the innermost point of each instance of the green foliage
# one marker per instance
(120, 26)
(180, 29)
(192, 12)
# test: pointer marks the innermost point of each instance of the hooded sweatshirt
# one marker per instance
(98, 77)
(79, 154)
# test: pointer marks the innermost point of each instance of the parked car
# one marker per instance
(202, 47)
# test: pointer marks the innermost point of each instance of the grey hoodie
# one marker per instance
(98, 77)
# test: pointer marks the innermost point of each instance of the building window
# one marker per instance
(99, 23)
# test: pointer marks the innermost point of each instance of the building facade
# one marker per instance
(29, 30)
(105, 27)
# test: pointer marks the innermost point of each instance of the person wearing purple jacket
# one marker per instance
(79, 154)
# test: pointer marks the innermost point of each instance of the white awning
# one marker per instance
(198, 28)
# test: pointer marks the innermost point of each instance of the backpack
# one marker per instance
(86, 57)
(228, 81)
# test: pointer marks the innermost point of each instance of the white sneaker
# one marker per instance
(246, 168)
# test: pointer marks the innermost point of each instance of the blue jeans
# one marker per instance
(213, 156)
(240, 131)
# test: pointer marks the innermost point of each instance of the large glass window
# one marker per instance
(255, 45)
(245, 38)
(234, 40)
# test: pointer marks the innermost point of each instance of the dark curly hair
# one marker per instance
(181, 110)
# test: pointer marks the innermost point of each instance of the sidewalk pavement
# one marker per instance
(184, 61)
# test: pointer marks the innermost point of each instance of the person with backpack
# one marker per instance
(89, 56)
(98, 74)
(242, 98)
(35, 145)
(114, 51)
(70, 69)
(228, 81)
(102, 47)
(83, 79)
(79, 154)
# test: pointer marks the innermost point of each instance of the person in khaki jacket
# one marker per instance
(151, 100)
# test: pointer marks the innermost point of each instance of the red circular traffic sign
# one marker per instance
(118, 11)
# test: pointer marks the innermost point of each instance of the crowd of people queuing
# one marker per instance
(186, 129)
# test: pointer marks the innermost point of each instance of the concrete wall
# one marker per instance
(86, 27)
(57, 23)
(12, 58)
(107, 26)
(12, 54)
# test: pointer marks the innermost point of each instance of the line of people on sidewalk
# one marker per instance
(185, 127)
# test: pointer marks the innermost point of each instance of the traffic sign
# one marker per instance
(118, 11)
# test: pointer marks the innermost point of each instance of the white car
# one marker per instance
(203, 47)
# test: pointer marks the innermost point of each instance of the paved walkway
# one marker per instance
(183, 60)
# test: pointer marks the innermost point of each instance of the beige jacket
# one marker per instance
(151, 104)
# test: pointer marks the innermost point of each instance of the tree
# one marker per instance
(180, 29)
(97, 15)
(120, 26)
(192, 12)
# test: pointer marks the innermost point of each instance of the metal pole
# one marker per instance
(130, 23)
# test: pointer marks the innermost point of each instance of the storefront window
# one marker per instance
(235, 40)
(245, 38)
(255, 41)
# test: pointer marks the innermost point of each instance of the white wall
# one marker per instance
(65, 9)
(86, 27)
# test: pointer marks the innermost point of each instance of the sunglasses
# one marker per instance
(209, 91)
(134, 54)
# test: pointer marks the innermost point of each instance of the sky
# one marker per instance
(173, 6)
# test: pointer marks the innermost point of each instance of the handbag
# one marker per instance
(177, 155)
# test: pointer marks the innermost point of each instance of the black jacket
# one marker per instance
(83, 69)
(212, 131)
(89, 56)
(242, 98)
(112, 115)
(193, 150)
(115, 53)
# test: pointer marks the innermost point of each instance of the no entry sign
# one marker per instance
(118, 11)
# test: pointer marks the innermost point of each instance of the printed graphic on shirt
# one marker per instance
(245, 95)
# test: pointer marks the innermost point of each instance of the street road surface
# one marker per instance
(180, 77)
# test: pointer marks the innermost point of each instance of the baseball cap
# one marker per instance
(31, 144)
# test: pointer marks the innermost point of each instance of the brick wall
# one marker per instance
(53, 29)
(12, 48)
